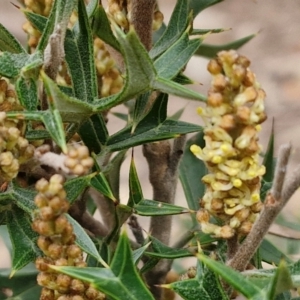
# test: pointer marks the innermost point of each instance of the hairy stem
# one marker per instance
(281, 192)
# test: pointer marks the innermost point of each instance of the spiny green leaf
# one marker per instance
(63, 13)
(235, 279)
(84, 241)
(163, 251)
(23, 239)
(135, 190)
(101, 28)
(112, 172)
(138, 253)
(177, 25)
(13, 65)
(75, 186)
(140, 71)
(197, 6)
(204, 286)
(171, 62)
(91, 9)
(80, 58)
(27, 92)
(211, 51)
(156, 208)
(153, 127)
(122, 281)
(36, 20)
(170, 87)
(71, 109)
(24, 198)
(53, 123)
(100, 183)
(8, 42)
(123, 266)
(191, 170)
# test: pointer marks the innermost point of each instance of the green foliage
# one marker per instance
(119, 266)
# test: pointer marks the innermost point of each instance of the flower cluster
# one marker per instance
(78, 160)
(57, 241)
(234, 112)
(14, 148)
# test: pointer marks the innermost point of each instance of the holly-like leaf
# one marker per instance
(170, 87)
(80, 58)
(100, 183)
(210, 51)
(171, 62)
(75, 186)
(120, 281)
(234, 278)
(191, 170)
(138, 253)
(71, 109)
(135, 190)
(22, 237)
(101, 28)
(205, 286)
(198, 6)
(156, 208)
(27, 92)
(177, 25)
(140, 71)
(153, 127)
(161, 250)
(12, 65)
(8, 42)
(84, 241)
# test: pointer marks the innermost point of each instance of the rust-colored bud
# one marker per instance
(214, 67)
(227, 122)
(73, 251)
(55, 251)
(245, 228)
(77, 286)
(226, 232)
(214, 99)
(202, 216)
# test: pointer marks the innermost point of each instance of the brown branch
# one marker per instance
(141, 18)
(283, 189)
(163, 163)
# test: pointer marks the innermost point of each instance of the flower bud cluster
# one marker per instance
(57, 241)
(120, 12)
(109, 77)
(234, 112)
(14, 148)
(78, 160)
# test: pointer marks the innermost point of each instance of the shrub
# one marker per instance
(59, 164)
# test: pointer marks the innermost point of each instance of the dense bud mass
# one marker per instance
(57, 241)
(234, 112)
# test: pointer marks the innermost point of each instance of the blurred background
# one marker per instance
(275, 57)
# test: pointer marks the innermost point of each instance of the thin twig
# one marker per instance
(272, 207)
(136, 229)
